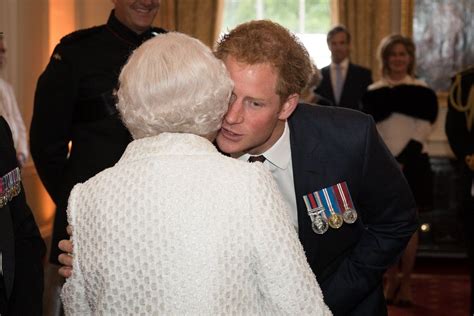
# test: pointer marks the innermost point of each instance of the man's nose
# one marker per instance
(149, 2)
(234, 114)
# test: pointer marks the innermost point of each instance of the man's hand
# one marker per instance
(66, 258)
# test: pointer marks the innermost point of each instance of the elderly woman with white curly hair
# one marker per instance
(175, 227)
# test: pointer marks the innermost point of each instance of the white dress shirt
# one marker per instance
(278, 162)
(344, 67)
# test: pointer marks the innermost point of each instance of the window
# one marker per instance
(310, 20)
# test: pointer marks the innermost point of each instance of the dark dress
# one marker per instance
(74, 104)
(420, 103)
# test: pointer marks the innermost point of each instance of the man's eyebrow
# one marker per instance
(254, 98)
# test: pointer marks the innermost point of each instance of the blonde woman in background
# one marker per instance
(404, 109)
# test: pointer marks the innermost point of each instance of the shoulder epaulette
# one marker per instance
(80, 34)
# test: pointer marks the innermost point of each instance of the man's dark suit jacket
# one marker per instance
(330, 145)
(20, 244)
(357, 80)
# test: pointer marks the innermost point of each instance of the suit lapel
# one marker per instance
(346, 88)
(315, 168)
(328, 88)
(309, 172)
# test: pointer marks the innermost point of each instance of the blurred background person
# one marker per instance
(404, 109)
(175, 227)
(21, 247)
(9, 110)
(75, 129)
(343, 83)
(460, 131)
(309, 95)
(74, 103)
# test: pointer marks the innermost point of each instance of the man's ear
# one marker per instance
(289, 106)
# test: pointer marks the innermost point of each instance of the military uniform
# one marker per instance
(21, 246)
(74, 103)
(460, 131)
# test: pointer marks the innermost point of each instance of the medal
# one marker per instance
(349, 216)
(3, 201)
(330, 207)
(319, 223)
(335, 221)
(342, 192)
(10, 186)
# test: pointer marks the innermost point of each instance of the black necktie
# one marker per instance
(260, 158)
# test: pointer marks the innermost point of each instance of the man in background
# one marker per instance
(10, 112)
(21, 246)
(75, 130)
(74, 104)
(460, 131)
(343, 83)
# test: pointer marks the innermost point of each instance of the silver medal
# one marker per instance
(349, 215)
(319, 224)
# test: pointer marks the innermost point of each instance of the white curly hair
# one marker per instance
(173, 83)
